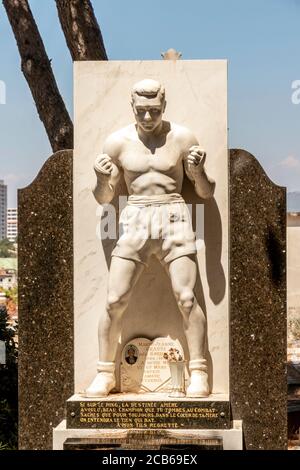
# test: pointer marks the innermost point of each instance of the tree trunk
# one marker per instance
(37, 69)
(81, 29)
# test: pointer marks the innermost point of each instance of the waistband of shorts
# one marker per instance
(155, 200)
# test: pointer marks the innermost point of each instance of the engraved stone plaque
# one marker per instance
(116, 413)
(143, 368)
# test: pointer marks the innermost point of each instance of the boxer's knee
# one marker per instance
(186, 300)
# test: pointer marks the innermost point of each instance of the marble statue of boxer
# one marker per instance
(153, 155)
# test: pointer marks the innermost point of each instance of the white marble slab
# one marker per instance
(232, 438)
(196, 94)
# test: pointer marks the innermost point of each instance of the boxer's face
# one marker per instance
(148, 111)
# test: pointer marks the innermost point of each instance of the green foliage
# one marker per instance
(8, 386)
(12, 294)
(7, 249)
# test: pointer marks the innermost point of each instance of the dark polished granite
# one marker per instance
(145, 414)
(45, 301)
(258, 303)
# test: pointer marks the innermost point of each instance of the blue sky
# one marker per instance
(260, 38)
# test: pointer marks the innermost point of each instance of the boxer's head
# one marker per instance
(148, 104)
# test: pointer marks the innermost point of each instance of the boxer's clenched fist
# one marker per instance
(103, 164)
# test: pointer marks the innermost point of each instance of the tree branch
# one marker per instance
(81, 29)
(38, 72)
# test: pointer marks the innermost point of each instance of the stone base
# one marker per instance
(115, 439)
(149, 411)
(143, 440)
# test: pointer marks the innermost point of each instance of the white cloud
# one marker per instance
(290, 162)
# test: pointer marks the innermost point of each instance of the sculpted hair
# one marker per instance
(149, 88)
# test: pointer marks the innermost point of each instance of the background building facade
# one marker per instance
(3, 210)
(12, 224)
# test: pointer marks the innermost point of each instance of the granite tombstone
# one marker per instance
(46, 308)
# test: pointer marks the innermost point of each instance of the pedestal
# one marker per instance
(116, 439)
(150, 421)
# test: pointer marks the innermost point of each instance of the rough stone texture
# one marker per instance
(258, 303)
(46, 296)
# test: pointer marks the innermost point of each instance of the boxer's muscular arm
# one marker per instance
(193, 159)
(107, 170)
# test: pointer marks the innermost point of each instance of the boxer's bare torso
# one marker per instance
(153, 166)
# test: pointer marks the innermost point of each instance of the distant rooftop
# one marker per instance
(293, 201)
